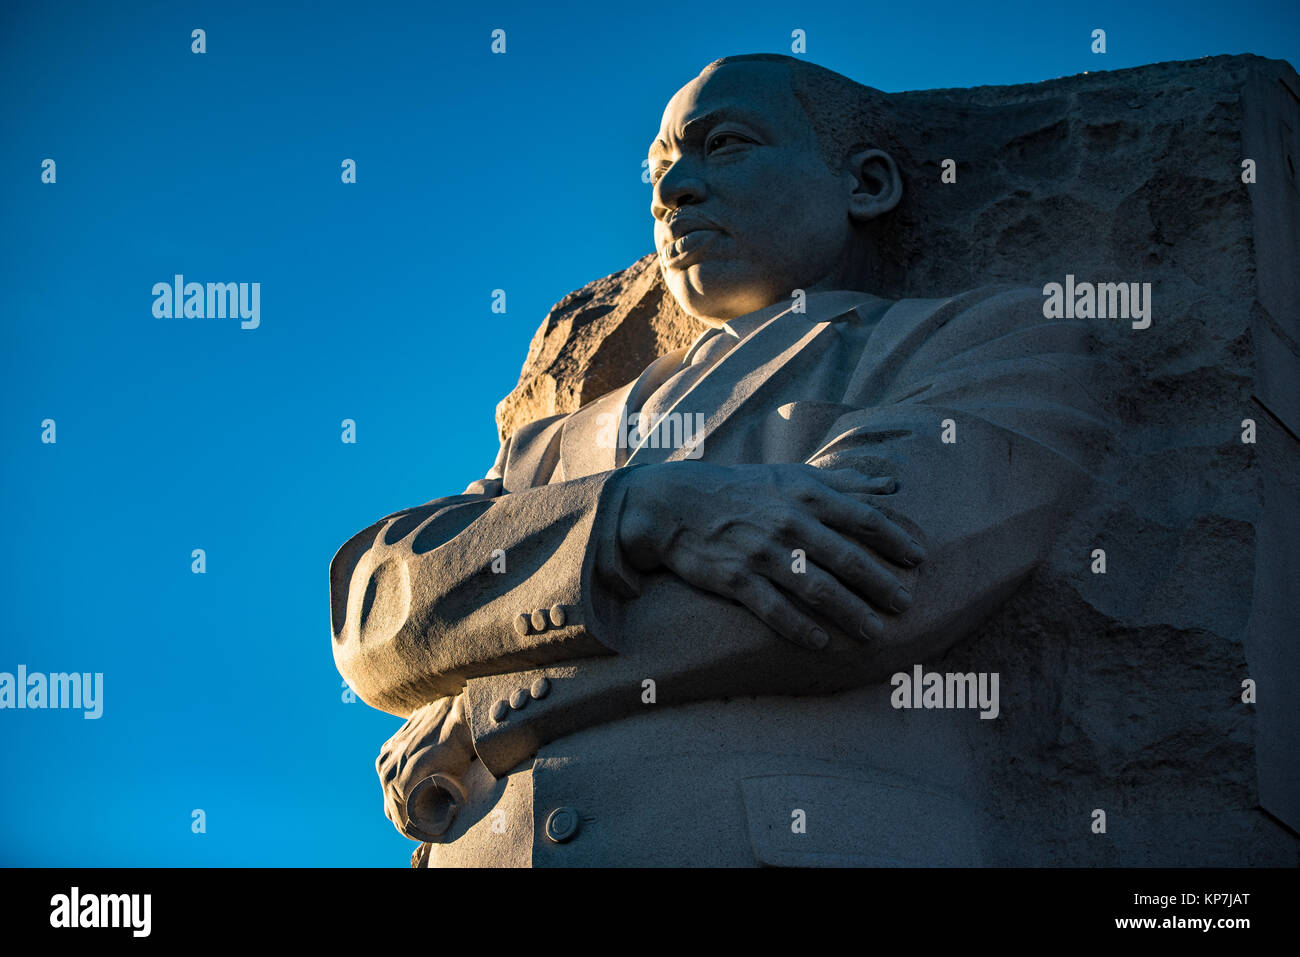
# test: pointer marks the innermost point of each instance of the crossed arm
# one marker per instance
(724, 563)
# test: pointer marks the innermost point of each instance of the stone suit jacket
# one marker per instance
(625, 718)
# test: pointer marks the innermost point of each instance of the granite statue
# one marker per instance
(666, 628)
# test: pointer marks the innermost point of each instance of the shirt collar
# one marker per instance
(821, 306)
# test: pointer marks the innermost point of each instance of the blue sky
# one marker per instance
(475, 172)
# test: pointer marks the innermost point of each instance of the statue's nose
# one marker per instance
(679, 186)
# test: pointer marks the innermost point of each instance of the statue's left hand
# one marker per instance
(434, 741)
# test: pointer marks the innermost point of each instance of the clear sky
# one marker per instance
(475, 172)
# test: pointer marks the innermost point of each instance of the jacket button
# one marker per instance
(522, 624)
(519, 699)
(557, 615)
(540, 689)
(499, 711)
(561, 825)
(539, 620)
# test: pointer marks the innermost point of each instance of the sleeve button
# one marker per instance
(561, 825)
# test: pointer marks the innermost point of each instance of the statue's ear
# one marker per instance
(877, 187)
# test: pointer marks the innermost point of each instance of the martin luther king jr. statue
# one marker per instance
(657, 646)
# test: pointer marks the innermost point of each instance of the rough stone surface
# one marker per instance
(595, 339)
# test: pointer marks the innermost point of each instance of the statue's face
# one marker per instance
(745, 208)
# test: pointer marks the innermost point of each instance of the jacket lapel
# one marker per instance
(584, 445)
(774, 347)
(590, 441)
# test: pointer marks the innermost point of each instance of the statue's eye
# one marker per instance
(722, 140)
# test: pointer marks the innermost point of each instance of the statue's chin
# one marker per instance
(716, 292)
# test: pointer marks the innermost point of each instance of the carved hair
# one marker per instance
(847, 116)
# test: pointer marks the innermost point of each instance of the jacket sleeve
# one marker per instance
(980, 408)
(484, 582)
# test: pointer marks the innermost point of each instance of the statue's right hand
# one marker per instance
(733, 531)
(420, 769)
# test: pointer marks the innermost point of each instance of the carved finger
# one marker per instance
(853, 481)
(869, 526)
(781, 614)
(857, 568)
(822, 592)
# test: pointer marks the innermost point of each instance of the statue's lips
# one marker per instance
(682, 252)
